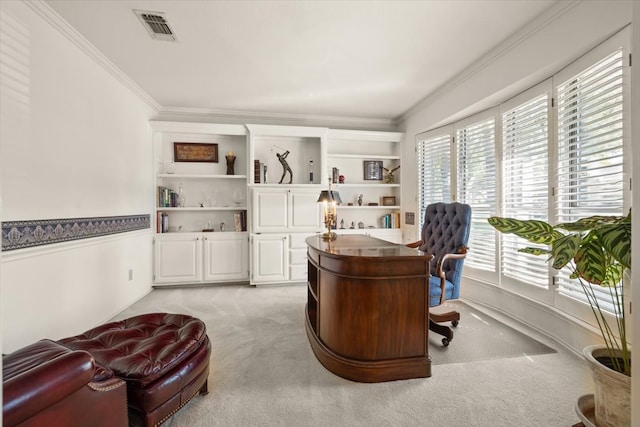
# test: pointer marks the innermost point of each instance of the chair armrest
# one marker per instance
(462, 253)
(38, 388)
(414, 245)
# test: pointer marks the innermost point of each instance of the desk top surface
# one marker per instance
(360, 245)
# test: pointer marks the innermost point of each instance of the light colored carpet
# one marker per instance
(480, 337)
(263, 373)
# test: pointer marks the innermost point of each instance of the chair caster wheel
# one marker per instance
(445, 342)
(454, 323)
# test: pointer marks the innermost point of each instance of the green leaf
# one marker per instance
(564, 250)
(591, 261)
(613, 275)
(533, 230)
(588, 223)
(534, 251)
(616, 240)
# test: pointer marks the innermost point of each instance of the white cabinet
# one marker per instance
(195, 197)
(283, 216)
(178, 258)
(182, 258)
(226, 257)
(281, 209)
(270, 258)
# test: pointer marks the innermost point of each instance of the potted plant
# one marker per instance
(597, 249)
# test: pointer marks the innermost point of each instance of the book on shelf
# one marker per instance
(236, 221)
(256, 171)
(243, 220)
(162, 222)
(391, 220)
(167, 198)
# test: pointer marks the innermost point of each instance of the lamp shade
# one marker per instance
(329, 196)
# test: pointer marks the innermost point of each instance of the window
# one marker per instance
(434, 169)
(476, 173)
(530, 159)
(525, 181)
(590, 151)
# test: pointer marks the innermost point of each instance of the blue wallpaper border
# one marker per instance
(26, 234)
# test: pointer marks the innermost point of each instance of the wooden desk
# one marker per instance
(367, 311)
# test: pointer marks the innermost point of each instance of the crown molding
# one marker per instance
(282, 118)
(52, 17)
(529, 30)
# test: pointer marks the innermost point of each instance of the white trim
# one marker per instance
(278, 118)
(512, 43)
(189, 127)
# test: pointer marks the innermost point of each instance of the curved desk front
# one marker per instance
(367, 311)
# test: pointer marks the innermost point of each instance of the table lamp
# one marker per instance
(329, 200)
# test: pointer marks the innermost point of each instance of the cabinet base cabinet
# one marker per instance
(188, 258)
(270, 261)
(226, 257)
(279, 258)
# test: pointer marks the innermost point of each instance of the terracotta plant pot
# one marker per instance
(612, 390)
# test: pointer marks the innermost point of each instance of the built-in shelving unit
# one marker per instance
(200, 242)
(205, 238)
(346, 151)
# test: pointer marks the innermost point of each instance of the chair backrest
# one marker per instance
(446, 227)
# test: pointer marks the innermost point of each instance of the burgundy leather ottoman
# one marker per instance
(163, 358)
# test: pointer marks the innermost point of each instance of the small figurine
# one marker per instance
(342, 224)
(360, 196)
(341, 179)
(285, 166)
(231, 160)
(353, 225)
(390, 178)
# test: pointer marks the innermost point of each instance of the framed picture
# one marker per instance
(388, 201)
(195, 152)
(372, 170)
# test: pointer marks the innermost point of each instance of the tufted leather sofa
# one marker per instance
(164, 359)
(47, 384)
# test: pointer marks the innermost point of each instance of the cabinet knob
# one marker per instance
(197, 238)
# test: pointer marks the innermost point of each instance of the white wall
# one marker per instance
(75, 142)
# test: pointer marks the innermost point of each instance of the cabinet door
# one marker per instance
(178, 258)
(304, 212)
(270, 260)
(226, 257)
(270, 207)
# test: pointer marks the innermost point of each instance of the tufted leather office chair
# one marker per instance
(445, 234)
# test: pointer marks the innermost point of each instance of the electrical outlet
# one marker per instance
(130, 274)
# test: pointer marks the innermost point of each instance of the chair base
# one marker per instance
(434, 324)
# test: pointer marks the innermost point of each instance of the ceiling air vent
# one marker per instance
(156, 24)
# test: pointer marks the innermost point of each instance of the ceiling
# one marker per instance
(365, 59)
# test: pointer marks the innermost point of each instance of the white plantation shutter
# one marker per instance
(476, 186)
(525, 188)
(590, 150)
(434, 169)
